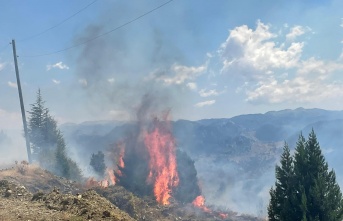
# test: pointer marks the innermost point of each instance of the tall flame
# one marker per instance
(162, 165)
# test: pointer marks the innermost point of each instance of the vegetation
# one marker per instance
(47, 142)
(188, 188)
(134, 175)
(98, 163)
(305, 189)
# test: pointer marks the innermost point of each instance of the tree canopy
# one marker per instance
(305, 189)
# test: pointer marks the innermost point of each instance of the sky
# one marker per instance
(198, 59)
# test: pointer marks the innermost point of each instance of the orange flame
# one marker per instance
(110, 176)
(91, 182)
(121, 156)
(162, 165)
(223, 215)
(199, 202)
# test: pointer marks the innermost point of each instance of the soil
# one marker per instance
(29, 193)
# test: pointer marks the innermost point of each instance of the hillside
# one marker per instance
(234, 157)
(30, 193)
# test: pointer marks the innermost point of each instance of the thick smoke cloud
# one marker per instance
(116, 70)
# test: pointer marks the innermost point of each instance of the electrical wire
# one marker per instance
(58, 24)
(103, 34)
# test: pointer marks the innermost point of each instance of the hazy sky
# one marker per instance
(202, 59)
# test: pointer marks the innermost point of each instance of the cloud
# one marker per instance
(205, 103)
(2, 66)
(58, 65)
(256, 48)
(56, 81)
(295, 32)
(111, 80)
(119, 115)
(297, 90)
(83, 82)
(312, 81)
(191, 85)
(324, 68)
(273, 73)
(208, 93)
(178, 74)
(12, 84)
(341, 22)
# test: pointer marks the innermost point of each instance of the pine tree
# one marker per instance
(47, 142)
(35, 124)
(282, 196)
(301, 180)
(310, 192)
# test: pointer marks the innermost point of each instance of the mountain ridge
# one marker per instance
(238, 152)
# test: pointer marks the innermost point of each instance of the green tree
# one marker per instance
(47, 142)
(305, 189)
(188, 180)
(35, 124)
(98, 163)
(283, 194)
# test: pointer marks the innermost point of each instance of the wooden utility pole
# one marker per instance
(21, 103)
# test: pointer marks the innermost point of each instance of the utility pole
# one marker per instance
(21, 103)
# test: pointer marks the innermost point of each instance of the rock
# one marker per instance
(8, 193)
(37, 196)
(106, 214)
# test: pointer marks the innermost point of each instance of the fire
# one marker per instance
(110, 176)
(223, 215)
(199, 202)
(121, 163)
(162, 164)
(121, 155)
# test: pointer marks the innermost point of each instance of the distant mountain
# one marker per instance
(235, 157)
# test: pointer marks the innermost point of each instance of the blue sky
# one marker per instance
(201, 59)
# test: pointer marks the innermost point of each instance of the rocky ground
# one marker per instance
(30, 193)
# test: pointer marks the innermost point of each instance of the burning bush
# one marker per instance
(152, 165)
(133, 175)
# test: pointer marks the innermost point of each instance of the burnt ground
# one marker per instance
(31, 193)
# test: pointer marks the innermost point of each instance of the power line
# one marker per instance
(58, 24)
(103, 34)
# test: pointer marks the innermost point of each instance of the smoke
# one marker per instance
(116, 71)
(227, 186)
(119, 75)
(12, 147)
